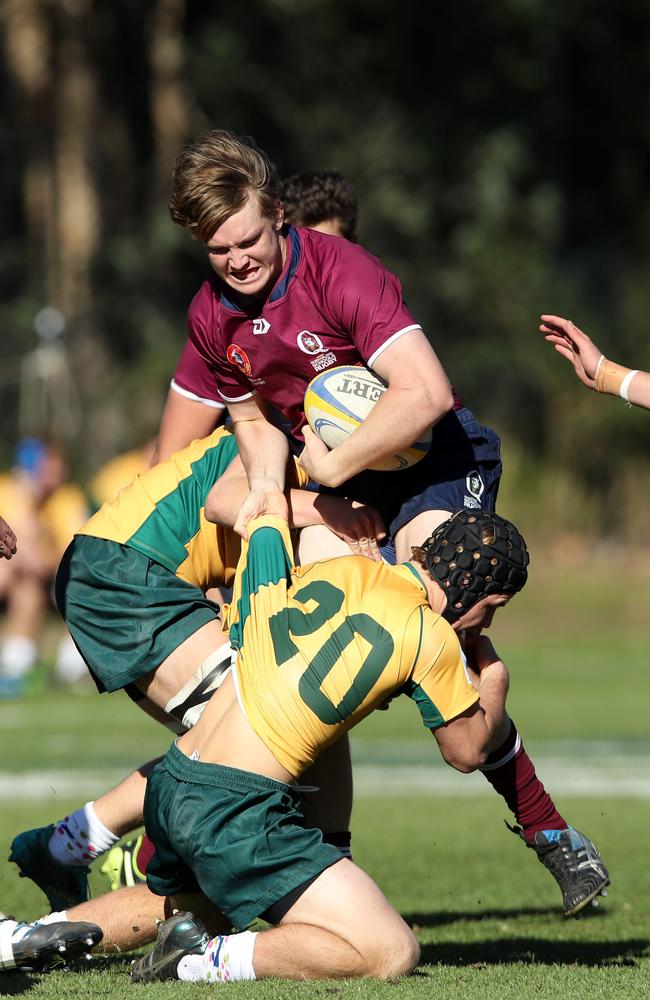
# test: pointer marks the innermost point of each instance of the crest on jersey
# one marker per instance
(310, 343)
(261, 326)
(237, 356)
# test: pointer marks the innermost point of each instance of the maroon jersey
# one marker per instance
(333, 304)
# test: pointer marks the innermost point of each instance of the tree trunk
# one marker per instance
(77, 200)
(28, 58)
(169, 97)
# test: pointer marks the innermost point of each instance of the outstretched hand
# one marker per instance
(7, 540)
(574, 345)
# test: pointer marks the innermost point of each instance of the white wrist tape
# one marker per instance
(625, 384)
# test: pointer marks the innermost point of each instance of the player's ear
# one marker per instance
(278, 220)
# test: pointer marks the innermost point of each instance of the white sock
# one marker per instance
(11, 931)
(80, 838)
(17, 656)
(227, 957)
(53, 918)
(69, 666)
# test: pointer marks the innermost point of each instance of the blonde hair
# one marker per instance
(212, 178)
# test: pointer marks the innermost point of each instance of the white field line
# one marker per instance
(559, 778)
(616, 774)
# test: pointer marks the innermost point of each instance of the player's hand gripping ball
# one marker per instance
(338, 400)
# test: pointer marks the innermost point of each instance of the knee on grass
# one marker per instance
(397, 957)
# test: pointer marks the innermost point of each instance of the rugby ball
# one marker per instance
(339, 399)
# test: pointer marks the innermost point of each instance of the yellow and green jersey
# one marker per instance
(321, 646)
(162, 514)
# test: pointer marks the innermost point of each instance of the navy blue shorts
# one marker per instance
(461, 470)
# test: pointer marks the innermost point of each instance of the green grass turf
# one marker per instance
(487, 914)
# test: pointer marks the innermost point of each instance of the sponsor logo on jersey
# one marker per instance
(323, 361)
(476, 487)
(261, 326)
(310, 343)
(358, 387)
(238, 357)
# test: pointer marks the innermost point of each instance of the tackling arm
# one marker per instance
(355, 523)
(466, 741)
(264, 451)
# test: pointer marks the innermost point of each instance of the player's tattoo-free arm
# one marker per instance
(183, 421)
(467, 741)
(264, 452)
(357, 524)
(591, 366)
(418, 395)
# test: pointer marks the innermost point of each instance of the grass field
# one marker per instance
(487, 914)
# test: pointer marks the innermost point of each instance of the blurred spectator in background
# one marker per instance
(323, 200)
(7, 540)
(592, 367)
(119, 472)
(45, 510)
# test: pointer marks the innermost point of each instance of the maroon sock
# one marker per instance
(510, 771)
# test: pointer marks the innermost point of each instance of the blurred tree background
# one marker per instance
(501, 154)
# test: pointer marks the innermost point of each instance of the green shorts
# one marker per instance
(125, 612)
(238, 837)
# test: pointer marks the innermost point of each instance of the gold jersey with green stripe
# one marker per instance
(321, 646)
(162, 514)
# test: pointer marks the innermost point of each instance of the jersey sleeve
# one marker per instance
(266, 560)
(440, 684)
(203, 373)
(194, 378)
(368, 302)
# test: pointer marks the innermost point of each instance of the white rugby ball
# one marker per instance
(339, 399)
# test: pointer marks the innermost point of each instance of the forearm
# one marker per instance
(492, 687)
(639, 391)
(303, 509)
(264, 451)
(399, 419)
(631, 384)
(225, 499)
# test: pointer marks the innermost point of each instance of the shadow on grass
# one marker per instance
(442, 918)
(536, 951)
(16, 984)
